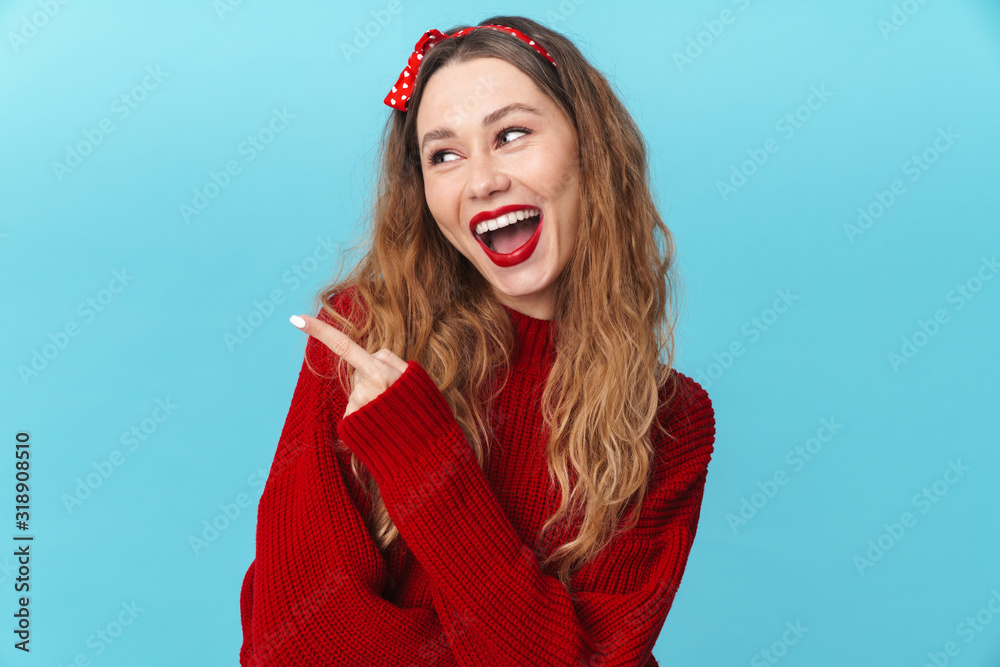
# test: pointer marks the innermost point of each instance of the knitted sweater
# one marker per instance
(464, 587)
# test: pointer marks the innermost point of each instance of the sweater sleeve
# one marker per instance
(444, 508)
(313, 593)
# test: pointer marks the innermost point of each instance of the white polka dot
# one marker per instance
(405, 86)
(404, 97)
(394, 89)
(419, 57)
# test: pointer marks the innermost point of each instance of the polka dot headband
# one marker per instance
(398, 97)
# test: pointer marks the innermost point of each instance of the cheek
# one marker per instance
(434, 204)
(445, 224)
(536, 169)
(440, 197)
(554, 178)
(443, 202)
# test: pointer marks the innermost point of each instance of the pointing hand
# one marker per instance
(373, 373)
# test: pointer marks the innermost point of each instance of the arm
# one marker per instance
(313, 594)
(450, 519)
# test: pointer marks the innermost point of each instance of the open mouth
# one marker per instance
(506, 240)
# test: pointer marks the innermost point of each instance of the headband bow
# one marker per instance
(398, 97)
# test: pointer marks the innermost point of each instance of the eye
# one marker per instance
(433, 159)
(512, 129)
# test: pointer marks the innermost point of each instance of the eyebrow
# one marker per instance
(489, 119)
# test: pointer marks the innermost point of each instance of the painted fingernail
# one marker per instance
(297, 321)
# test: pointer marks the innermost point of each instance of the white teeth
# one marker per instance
(505, 220)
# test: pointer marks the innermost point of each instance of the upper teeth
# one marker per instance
(504, 220)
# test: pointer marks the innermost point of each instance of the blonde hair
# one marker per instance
(426, 302)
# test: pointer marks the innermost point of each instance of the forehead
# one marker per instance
(462, 93)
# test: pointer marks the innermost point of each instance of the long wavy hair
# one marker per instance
(425, 301)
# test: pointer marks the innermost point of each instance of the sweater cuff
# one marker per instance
(406, 430)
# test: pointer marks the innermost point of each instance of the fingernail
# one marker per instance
(297, 321)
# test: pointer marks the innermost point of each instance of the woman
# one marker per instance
(514, 263)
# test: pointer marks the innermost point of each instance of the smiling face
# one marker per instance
(475, 160)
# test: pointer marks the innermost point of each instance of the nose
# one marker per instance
(486, 176)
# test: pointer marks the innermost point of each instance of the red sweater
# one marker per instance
(465, 587)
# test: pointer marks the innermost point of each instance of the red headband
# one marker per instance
(398, 97)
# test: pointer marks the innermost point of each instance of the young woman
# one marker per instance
(514, 299)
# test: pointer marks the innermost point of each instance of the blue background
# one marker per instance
(851, 300)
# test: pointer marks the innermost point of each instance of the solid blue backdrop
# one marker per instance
(179, 178)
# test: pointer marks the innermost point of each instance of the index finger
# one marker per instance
(338, 342)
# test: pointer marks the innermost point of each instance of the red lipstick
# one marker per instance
(496, 213)
(517, 256)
